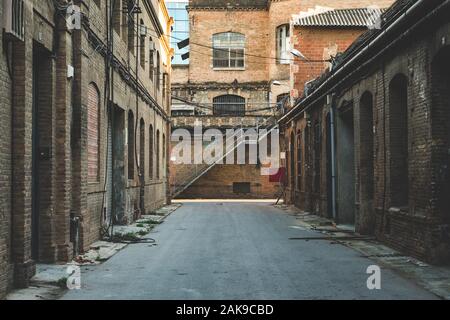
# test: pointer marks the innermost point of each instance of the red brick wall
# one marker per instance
(218, 184)
(421, 228)
(318, 44)
(5, 172)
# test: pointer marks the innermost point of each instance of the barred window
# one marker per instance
(229, 105)
(228, 50)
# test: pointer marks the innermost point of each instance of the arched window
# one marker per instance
(142, 149)
(229, 105)
(283, 44)
(158, 155)
(93, 136)
(228, 50)
(130, 145)
(151, 150)
(398, 133)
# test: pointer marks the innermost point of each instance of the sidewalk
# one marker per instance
(435, 279)
(50, 281)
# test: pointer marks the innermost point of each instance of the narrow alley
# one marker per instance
(212, 250)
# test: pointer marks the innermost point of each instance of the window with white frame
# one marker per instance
(283, 44)
(229, 50)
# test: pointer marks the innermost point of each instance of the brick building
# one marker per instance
(368, 143)
(260, 37)
(84, 119)
(227, 85)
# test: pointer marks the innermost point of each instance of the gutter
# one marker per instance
(343, 68)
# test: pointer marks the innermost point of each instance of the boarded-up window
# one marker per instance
(93, 132)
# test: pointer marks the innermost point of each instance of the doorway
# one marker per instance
(345, 155)
(142, 166)
(42, 126)
(329, 174)
(366, 164)
(441, 130)
(116, 165)
(292, 166)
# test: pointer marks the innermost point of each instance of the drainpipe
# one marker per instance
(333, 157)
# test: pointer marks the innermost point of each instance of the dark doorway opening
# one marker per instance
(41, 175)
(142, 166)
(441, 129)
(398, 145)
(329, 168)
(366, 164)
(346, 167)
(292, 166)
(117, 185)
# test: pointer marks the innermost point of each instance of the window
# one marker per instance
(117, 11)
(93, 132)
(151, 150)
(228, 50)
(151, 63)
(164, 86)
(229, 105)
(142, 45)
(283, 44)
(130, 145)
(158, 155)
(158, 71)
(131, 27)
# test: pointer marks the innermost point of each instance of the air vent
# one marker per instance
(13, 18)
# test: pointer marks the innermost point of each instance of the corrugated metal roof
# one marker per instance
(236, 4)
(360, 17)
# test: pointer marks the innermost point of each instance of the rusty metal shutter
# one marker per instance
(93, 133)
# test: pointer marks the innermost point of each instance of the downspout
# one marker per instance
(333, 157)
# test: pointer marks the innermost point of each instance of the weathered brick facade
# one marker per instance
(266, 77)
(391, 132)
(44, 179)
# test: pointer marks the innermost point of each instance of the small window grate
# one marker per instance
(241, 187)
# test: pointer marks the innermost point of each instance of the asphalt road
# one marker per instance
(237, 251)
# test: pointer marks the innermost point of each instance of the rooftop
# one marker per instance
(359, 17)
